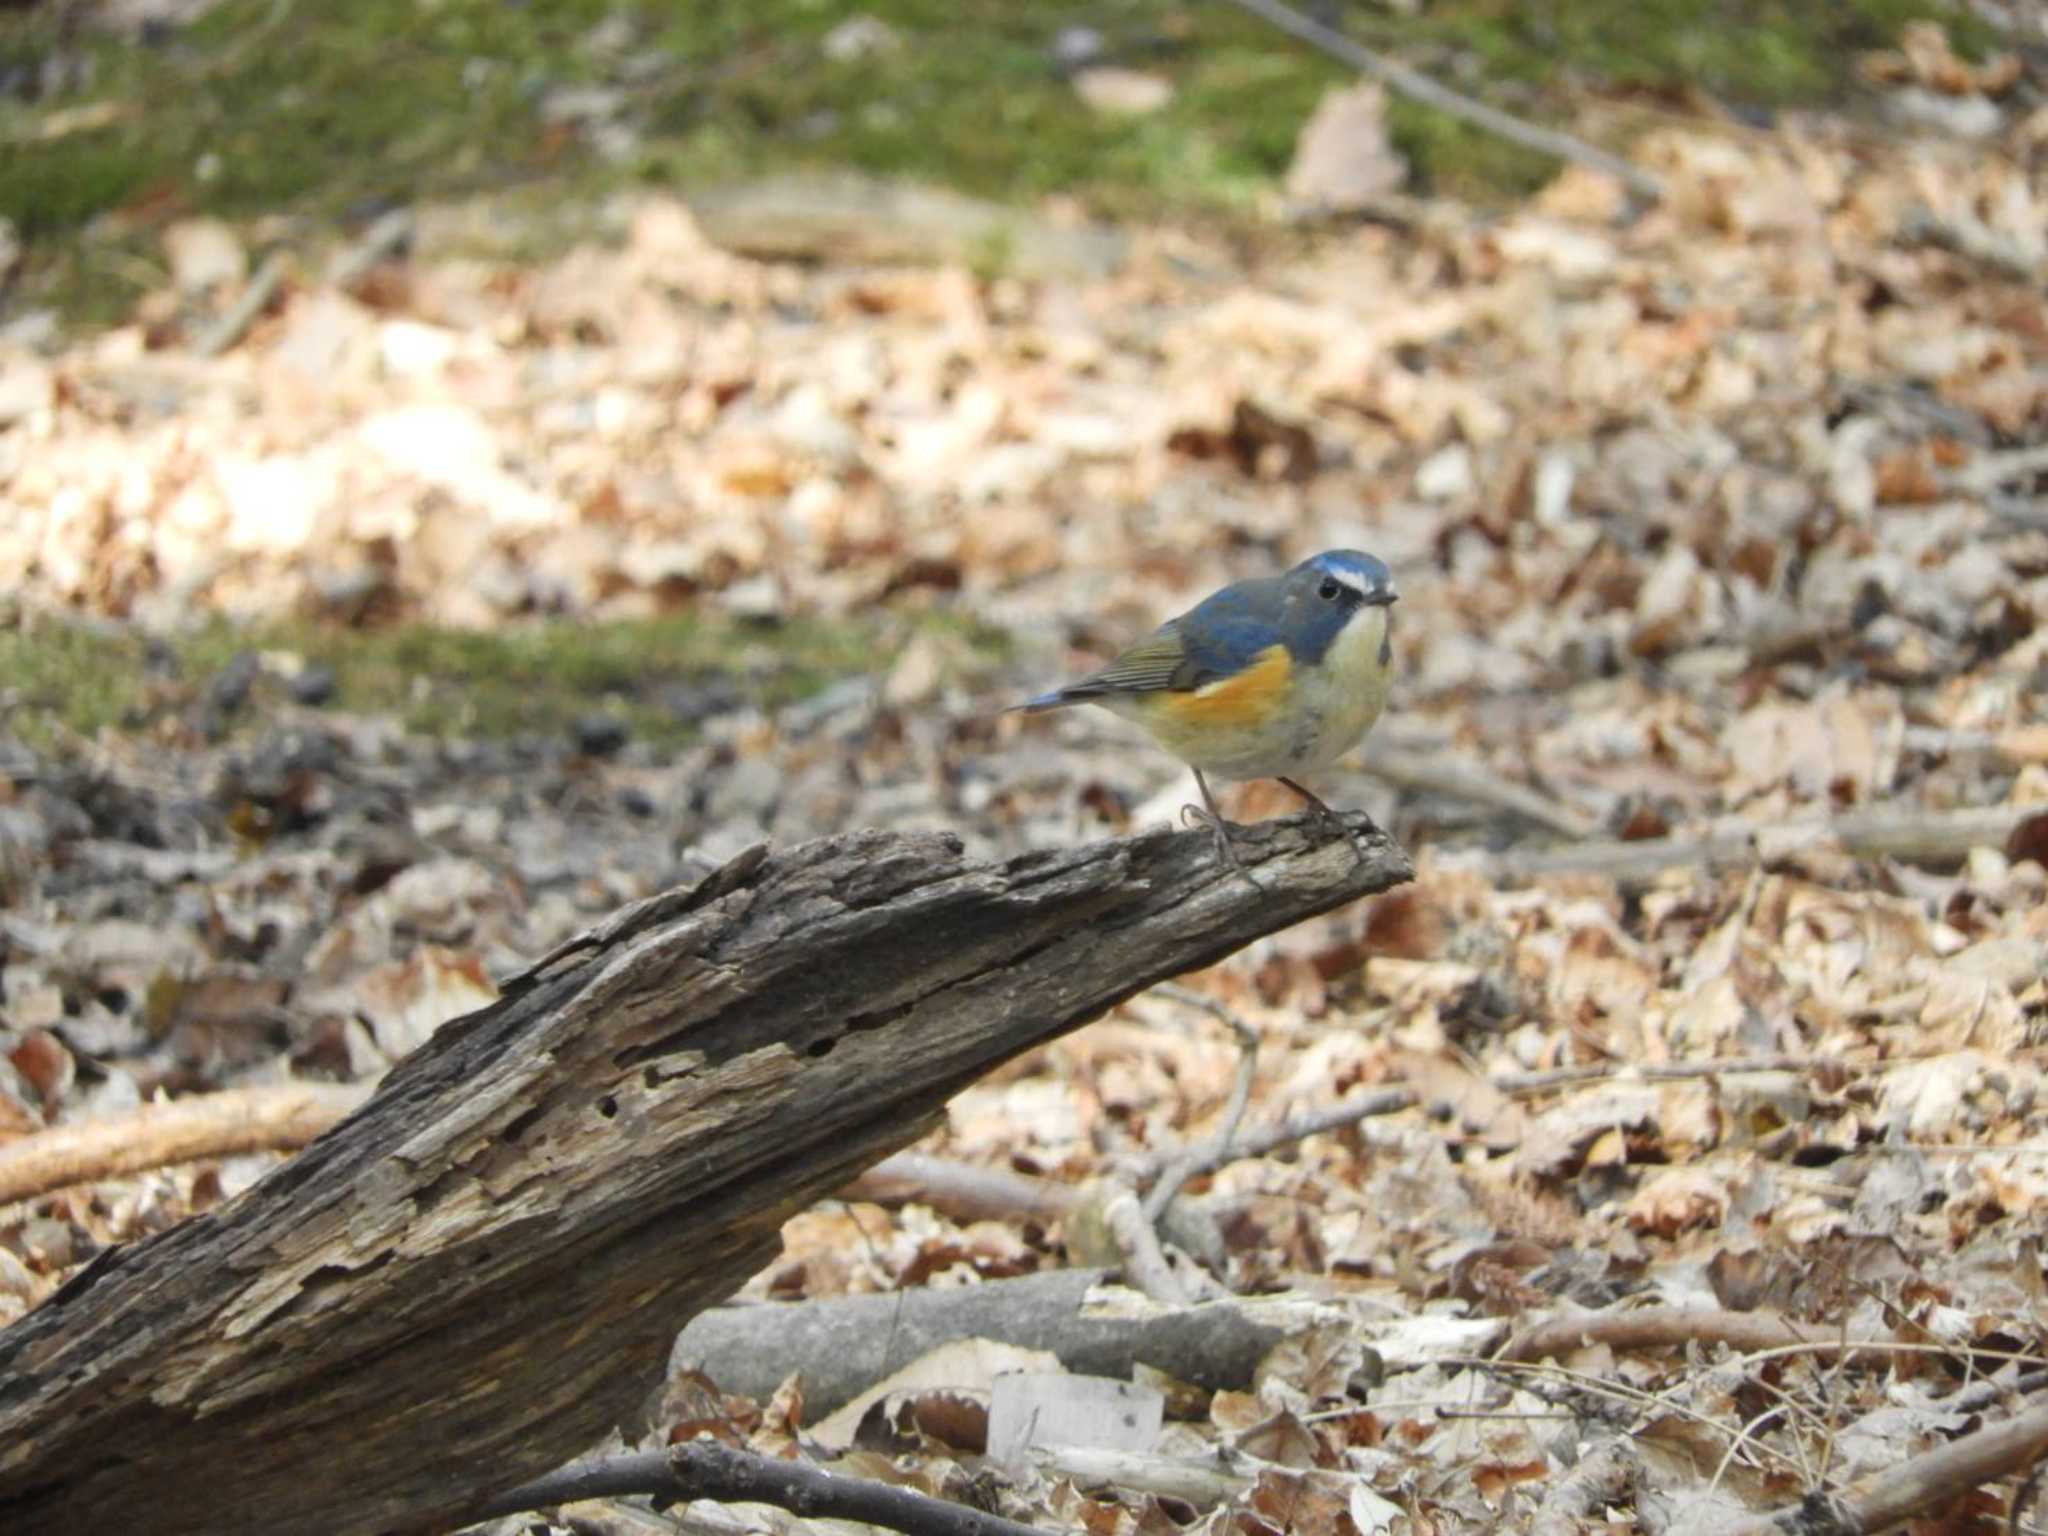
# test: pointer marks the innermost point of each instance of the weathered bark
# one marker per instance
(472, 1278)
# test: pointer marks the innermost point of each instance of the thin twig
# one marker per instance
(386, 236)
(241, 314)
(1621, 1392)
(1418, 87)
(1392, 1098)
(1974, 240)
(1989, 471)
(2022, 744)
(1665, 1071)
(703, 1469)
(1463, 779)
(1886, 832)
(1916, 1486)
(1333, 1117)
(1216, 1151)
(1661, 1327)
(1144, 1261)
(963, 1191)
(967, 1192)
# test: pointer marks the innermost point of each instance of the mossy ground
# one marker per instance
(66, 681)
(323, 111)
(324, 114)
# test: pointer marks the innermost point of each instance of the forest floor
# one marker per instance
(1718, 738)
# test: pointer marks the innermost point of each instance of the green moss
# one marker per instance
(73, 680)
(272, 105)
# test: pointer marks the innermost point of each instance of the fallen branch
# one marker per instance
(1418, 87)
(241, 314)
(961, 1190)
(387, 235)
(2023, 744)
(1932, 837)
(1665, 1071)
(1333, 1117)
(274, 1118)
(1448, 774)
(842, 1345)
(536, 1198)
(1666, 1327)
(704, 1469)
(1919, 1485)
(1203, 1481)
(1144, 1263)
(1973, 240)
(1216, 1151)
(1989, 471)
(966, 1192)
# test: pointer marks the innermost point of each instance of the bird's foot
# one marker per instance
(1220, 830)
(1330, 819)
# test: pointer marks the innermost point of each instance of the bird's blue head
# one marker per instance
(1326, 594)
(1348, 576)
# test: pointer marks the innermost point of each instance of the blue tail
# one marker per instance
(1057, 699)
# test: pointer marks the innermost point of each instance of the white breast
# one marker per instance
(1341, 699)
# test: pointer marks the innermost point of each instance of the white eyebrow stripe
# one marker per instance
(1345, 578)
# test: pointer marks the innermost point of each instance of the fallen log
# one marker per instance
(476, 1275)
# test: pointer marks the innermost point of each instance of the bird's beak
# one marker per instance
(1382, 597)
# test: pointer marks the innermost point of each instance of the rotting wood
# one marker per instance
(475, 1276)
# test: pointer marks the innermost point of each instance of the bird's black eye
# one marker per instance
(1330, 590)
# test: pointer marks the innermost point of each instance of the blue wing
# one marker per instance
(1218, 638)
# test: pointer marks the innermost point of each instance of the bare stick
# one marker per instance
(1662, 1327)
(1921, 836)
(966, 1192)
(1917, 1486)
(1216, 1152)
(1988, 471)
(1666, 1071)
(274, 1118)
(704, 1469)
(1418, 87)
(1203, 1481)
(961, 1190)
(2022, 744)
(241, 314)
(1444, 774)
(386, 236)
(1144, 1265)
(1973, 240)
(1333, 1117)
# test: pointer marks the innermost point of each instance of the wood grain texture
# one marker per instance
(477, 1274)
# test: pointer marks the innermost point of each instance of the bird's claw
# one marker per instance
(1329, 819)
(1220, 830)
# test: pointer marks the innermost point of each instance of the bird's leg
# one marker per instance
(1325, 815)
(1213, 819)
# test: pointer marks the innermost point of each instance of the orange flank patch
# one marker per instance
(1249, 699)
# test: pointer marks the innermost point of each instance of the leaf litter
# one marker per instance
(1729, 518)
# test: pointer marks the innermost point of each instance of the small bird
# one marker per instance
(1264, 679)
